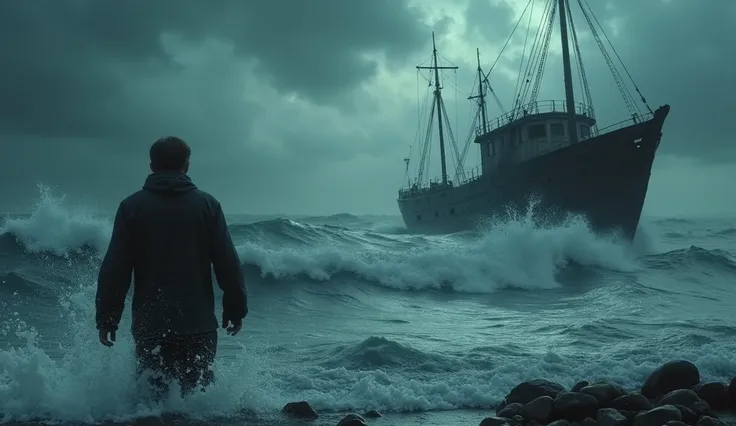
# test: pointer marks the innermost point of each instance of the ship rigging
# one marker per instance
(527, 88)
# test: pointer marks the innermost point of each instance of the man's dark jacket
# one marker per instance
(167, 235)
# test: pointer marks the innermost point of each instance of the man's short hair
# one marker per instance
(169, 153)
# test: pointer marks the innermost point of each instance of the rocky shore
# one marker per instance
(672, 395)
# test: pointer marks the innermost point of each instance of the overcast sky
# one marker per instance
(294, 106)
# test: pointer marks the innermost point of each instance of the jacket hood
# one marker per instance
(169, 182)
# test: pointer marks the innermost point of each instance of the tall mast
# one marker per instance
(481, 95)
(438, 100)
(572, 128)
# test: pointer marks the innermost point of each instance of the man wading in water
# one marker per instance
(167, 235)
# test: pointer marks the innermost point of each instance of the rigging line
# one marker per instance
(419, 123)
(536, 54)
(419, 117)
(489, 90)
(429, 58)
(618, 57)
(455, 152)
(581, 66)
(470, 111)
(576, 52)
(523, 52)
(543, 58)
(628, 96)
(445, 58)
(430, 145)
(426, 149)
(453, 84)
(623, 89)
(524, 78)
(469, 138)
(535, 51)
(427, 79)
(508, 40)
(495, 98)
(579, 74)
(457, 113)
(424, 105)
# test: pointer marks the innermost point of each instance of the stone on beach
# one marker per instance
(300, 410)
(352, 419)
(671, 395)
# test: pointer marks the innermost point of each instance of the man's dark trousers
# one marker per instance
(186, 358)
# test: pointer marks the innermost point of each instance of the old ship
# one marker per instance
(548, 151)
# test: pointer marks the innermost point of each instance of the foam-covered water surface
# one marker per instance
(354, 313)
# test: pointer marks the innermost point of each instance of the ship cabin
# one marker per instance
(529, 132)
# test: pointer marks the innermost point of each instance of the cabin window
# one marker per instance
(537, 131)
(584, 131)
(452, 211)
(557, 129)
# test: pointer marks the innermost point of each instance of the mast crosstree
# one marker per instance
(481, 95)
(438, 102)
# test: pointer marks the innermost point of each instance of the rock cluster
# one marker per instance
(302, 410)
(672, 395)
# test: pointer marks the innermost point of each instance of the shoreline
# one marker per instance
(672, 395)
(458, 417)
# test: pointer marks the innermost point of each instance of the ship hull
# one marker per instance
(604, 178)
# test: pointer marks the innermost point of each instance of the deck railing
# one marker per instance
(629, 121)
(435, 186)
(416, 190)
(470, 175)
(537, 107)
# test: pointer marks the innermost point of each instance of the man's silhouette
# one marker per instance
(167, 235)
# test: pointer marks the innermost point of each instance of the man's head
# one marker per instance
(170, 154)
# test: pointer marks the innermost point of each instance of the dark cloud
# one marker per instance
(83, 52)
(491, 19)
(92, 83)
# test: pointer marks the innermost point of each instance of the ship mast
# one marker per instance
(572, 128)
(438, 100)
(481, 95)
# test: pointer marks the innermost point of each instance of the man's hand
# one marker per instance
(107, 337)
(234, 326)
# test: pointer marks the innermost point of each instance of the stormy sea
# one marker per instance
(353, 313)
